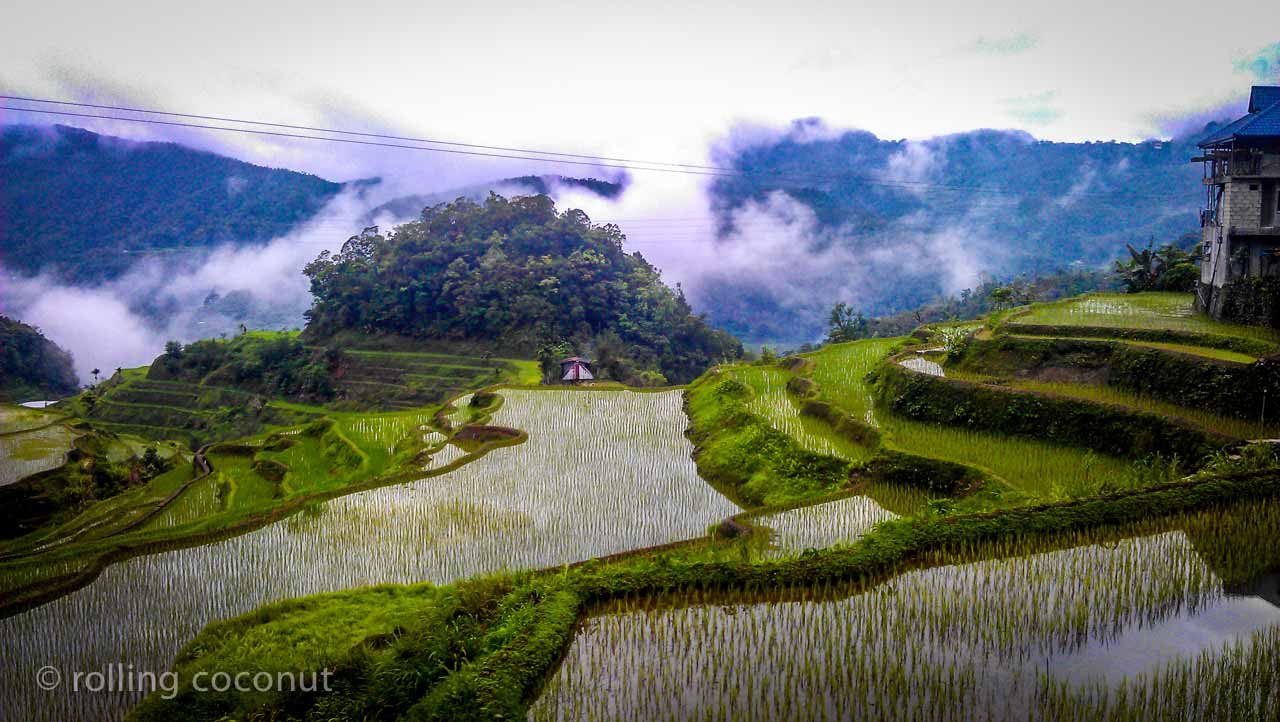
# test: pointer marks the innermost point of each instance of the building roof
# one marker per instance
(578, 372)
(573, 359)
(1264, 123)
(1262, 97)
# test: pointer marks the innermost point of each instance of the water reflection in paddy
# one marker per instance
(1046, 635)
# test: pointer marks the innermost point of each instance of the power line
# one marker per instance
(352, 141)
(526, 154)
(361, 134)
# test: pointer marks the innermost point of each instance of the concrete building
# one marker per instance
(1241, 217)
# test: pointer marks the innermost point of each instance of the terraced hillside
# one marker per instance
(1160, 320)
(555, 498)
(403, 380)
(52, 467)
(193, 414)
(979, 521)
(136, 401)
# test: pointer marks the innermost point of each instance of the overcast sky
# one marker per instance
(641, 79)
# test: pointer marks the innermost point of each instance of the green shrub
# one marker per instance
(1252, 300)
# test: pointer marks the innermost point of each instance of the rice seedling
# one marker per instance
(1238, 428)
(602, 472)
(459, 410)
(1237, 680)
(776, 405)
(443, 455)
(1037, 467)
(1205, 351)
(899, 499)
(14, 575)
(200, 501)
(821, 525)
(29, 452)
(841, 371)
(1019, 633)
(1170, 311)
(382, 435)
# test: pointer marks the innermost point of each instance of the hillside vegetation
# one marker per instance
(520, 276)
(82, 204)
(31, 366)
(215, 390)
(894, 220)
(52, 467)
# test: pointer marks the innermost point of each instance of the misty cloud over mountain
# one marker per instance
(818, 217)
(85, 207)
(112, 247)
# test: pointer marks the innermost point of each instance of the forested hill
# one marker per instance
(522, 277)
(31, 366)
(74, 201)
(900, 222)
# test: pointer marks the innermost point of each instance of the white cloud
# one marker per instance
(104, 326)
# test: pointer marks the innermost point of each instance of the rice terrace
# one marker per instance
(368, 365)
(840, 534)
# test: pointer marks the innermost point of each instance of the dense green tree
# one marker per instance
(1002, 297)
(1168, 268)
(277, 367)
(520, 277)
(32, 366)
(845, 324)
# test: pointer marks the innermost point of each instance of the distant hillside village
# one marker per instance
(1240, 268)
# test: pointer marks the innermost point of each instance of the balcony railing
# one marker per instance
(1238, 164)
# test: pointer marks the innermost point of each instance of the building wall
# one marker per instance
(1271, 164)
(1209, 261)
(1242, 205)
(1243, 197)
(1239, 213)
(1262, 255)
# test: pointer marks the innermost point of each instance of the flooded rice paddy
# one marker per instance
(29, 452)
(602, 472)
(822, 525)
(1139, 628)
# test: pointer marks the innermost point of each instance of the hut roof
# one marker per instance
(578, 371)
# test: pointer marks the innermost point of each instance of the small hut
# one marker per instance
(575, 370)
